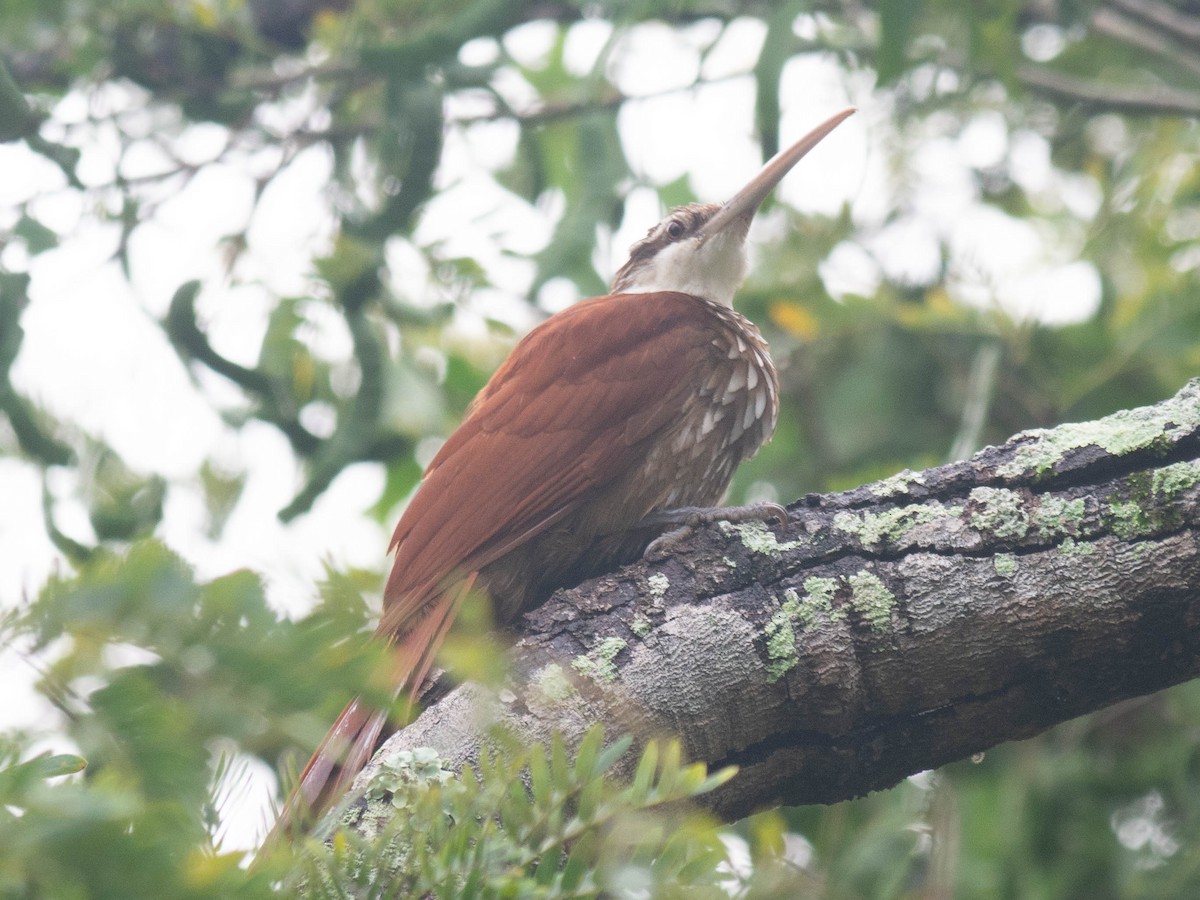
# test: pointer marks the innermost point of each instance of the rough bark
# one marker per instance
(888, 629)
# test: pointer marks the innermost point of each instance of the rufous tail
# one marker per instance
(359, 730)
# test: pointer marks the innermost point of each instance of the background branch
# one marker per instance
(1096, 95)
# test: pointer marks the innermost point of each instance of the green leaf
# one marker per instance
(17, 118)
(669, 768)
(994, 38)
(715, 780)
(897, 21)
(589, 799)
(560, 768)
(547, 869)
(609, 756)
(579, 862)
(588, 752)
(222, 490)
(37, 237)
(46, 766)
(539, 776)
(676, 193)
(643, 778)
(768, 70)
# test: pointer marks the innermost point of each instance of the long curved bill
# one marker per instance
(746, 202)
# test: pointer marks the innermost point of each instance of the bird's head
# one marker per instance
(700, 248)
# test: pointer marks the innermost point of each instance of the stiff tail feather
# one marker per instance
(355, 734)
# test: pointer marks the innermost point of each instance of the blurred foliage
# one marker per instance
(158, 677)
(162, 680)
(572, 833)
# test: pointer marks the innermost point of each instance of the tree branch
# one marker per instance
(1100, 96)
(1163, 15)
(1127, 31)
(892, 628)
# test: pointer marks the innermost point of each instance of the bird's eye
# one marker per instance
(675, 229)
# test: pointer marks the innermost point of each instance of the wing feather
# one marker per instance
(569, 411)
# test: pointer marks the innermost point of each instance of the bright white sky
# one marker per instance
(95, 356)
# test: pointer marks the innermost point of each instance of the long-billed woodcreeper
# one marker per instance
(611, 419)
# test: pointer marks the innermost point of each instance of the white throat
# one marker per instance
(713, 270)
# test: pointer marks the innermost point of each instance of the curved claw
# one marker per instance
(777, 512)
(691, 517)
(663, 545)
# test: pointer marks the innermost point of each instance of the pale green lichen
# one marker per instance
(758, 538)
(795, 608)
(1170, 481)
(641, 626)
(805, 611)
(781, 646)
(896, 484)
(1149, 507)
(872, 599)
(1127, 519)
(819, 599)
(1000, 512)
(369, 821)
(890, 526)
(552, 681)
(1005, 564)
(598, 664)
(657, 585)
(1071, 547)
(403, 776)
(1054, 516)
(869, 597)
(1122, 432)
(730, 563)
(823, 588)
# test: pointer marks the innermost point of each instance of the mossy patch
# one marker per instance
(1005, 564)
(872, 599)
(1127, 519)
(1170, 481)
(891, 526)
(819, 601)
(1000, 512)
(1054, 516)
(781, 645)
(598, 664)
(1123, 432)
(641, 626)
(657, 585)
(1150, 505)
(897, 484)
(869, 597)
(398, 782)
(803, 610)
(758, 538)
(552, 681)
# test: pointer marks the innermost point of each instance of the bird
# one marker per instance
(611, 421)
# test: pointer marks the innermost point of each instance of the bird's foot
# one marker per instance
(688, 518)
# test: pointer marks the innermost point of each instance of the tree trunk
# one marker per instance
(888, 629)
